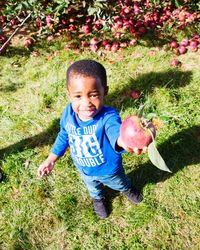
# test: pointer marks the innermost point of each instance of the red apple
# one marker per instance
(117, 34)
(135, 132)
(193, 48)
(93, 47)
(194, 43)
(35, 54)
(142, 30)
(175, 63)
(182, 49)
(123, 44)
(14, 22)
(28, 42)
(89, 19)
(174, 44)
(108, 47)
(184, 42)
(72, 45)
(64, 21)
(94, 41)
(86, 29)
(114, 47)
(135, 94)
(48, 20)
(38, 23)
(72, 27)
(3, 19)
(133, 42)
(196, 36)
(3, 38)
(84, 44)
(104, 42)
(98, 25)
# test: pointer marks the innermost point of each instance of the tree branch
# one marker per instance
(15, 32)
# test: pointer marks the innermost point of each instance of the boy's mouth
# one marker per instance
(87, 113)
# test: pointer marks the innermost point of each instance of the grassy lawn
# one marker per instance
(57, 213)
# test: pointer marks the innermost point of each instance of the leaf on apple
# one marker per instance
(156, 158)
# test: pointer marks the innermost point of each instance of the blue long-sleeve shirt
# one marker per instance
(92, 143)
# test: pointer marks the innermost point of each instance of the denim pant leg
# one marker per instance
(118, 181)
(94, 186)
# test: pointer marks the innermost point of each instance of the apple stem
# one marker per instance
(141, 110)
(150, 132)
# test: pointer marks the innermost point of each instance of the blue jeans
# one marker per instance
(118, 181)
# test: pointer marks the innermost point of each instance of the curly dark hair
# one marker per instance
(88, 68)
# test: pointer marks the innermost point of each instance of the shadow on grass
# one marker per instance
(146, 83)
(44, 138)
(16, 51)
(179, 151)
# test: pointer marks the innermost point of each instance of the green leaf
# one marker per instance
(156, 158)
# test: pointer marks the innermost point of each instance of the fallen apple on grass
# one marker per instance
(28, 42)
(175, 63)
(138, 132)
(135, 94)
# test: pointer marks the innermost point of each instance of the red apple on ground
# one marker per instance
(135, 94)
(142, 30)
(104, 42)
(194, 43)
(184, 42)
(86, 29)
(174, 44)
(193, 48)
(14, 22)
(38, 23)
(133, 42)
(135, 132)
(35, 54)
(108, 47)
(48, 20)
(182, 49)
(28, 42)
(123, 44)
(3, 38)
(93, 47)
(94, 41)
(175, 63)
(84, 44)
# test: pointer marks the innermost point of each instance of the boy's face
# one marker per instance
(86, 95)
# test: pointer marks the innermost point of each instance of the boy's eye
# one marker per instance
(94, 95)
(77, 96)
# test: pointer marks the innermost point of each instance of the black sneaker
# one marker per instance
(100, 208)
(134, 195)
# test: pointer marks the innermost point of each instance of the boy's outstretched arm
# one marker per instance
(47, 166)
(135, 150)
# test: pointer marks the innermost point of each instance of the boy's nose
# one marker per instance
(86, 101)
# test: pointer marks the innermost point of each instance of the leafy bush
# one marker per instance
(117, 21)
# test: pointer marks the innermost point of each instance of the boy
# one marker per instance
(92, 131)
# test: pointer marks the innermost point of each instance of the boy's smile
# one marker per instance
(86, 95)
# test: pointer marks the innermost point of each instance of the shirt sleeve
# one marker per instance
(62, 142)
(112, 129)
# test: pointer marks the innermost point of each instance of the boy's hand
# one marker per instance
(45, 168)
(135, 150)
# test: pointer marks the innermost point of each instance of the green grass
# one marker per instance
(57, 213)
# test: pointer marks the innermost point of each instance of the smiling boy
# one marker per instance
(92, 131)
